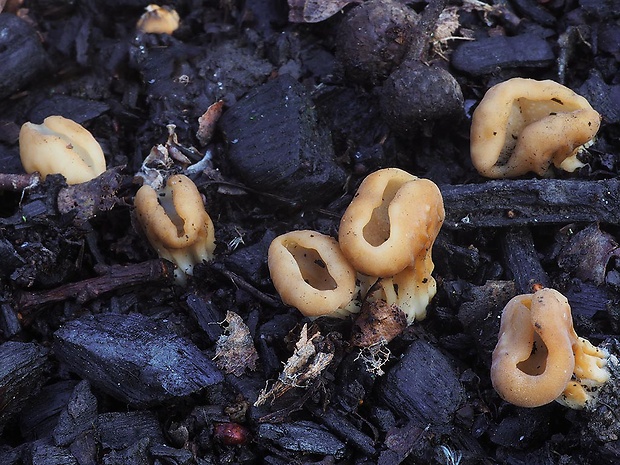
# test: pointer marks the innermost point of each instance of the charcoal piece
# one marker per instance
(277, 146)
(373, 39)
(400, 443)
(354, 382)
(136, 454)
(9, 321)
(85, 448)
(43, 453)
(169, 454)
(531, 202)
(302, 436)
(345, 430)
(423, 386)
(75, 108)
(535, 11)
(480, 314)
(587, 254)
(78, 416)
(249, 262)
(522, 260)
(9, 158)
(9, 258)
(601, 10)
(21, 54)
(207, 315)
(604, 98)
(134, 358)
(40, 416)
(120, 430)
(487, 55)
(22, 373)
(525, 429)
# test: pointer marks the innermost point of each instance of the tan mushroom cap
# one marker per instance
(391, 222)
(311, 274)
(158, 20)
(524, 125)
(539, 357)
(176, 223)
(60, 146)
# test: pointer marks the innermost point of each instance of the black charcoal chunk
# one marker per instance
(120, 430)
(490, 54)
(169, 454)
(43, 453)
(9, 321)
(78, 109)
(249, 262)
(21, 54)
(134, 358)
(9, 258)
(78, 417)
(522, 260)
(207, 315)
(40, 416)
(22, 373)
(423, 386)
(345, 430)
(276, 144)
(302, 436)
(604, 98)
(136, 454)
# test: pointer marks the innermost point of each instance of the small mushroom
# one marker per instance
(539, 357)
(524, 125)
(388, 232)
(60, 146)
(176, 223)
(158, 20)
(311, 274)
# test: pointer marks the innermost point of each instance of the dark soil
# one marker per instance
(104, 359)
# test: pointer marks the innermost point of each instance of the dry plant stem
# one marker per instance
(243, 284)
(531, 202)
(18, 182)
(117, 277)
(424, 31)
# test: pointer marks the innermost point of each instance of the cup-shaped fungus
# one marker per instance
(158, 20)
(176, 224)
(388, 232)
(539, 357)
(60, 146)
(311, 274)
(524, 125)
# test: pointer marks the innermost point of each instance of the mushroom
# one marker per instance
(311, 274)
(388, 232)
(176, 224)
(524, 125)
(539, 357)
(60, 146)
(158, 20)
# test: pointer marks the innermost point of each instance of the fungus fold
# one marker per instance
(176, 224)
(60, 146)
(388, 232)
(524, 125)
(310, 273)
(539, 357)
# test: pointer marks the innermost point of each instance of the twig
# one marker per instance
(117, 277)
(532, 202)
(18, 182)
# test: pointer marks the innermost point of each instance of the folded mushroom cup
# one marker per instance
(158, 20)
(388, 232)
(539, 357)
(176, 223)
(60, 146)
(311, 274)
(523, 125)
